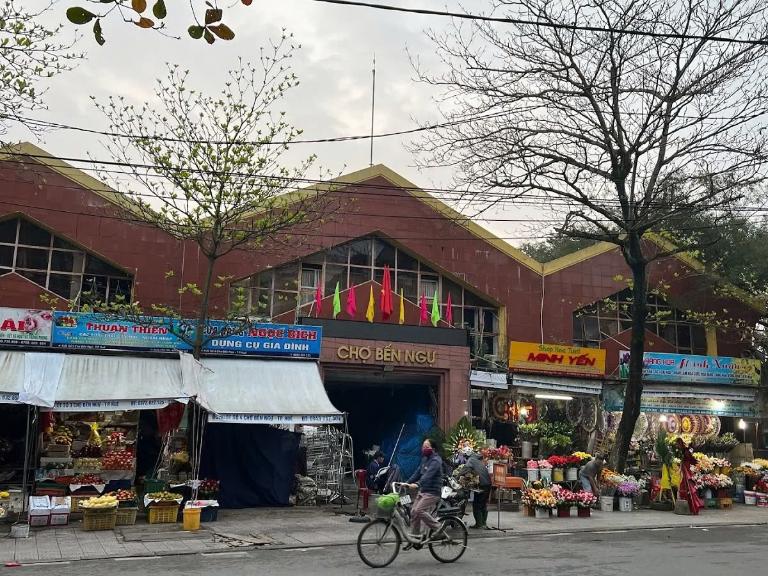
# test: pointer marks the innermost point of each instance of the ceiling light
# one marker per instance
(553, 397)
(742, 424)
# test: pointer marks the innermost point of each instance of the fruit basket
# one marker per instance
(77, 501)
(126, 516)
(99, 519)
(165, 513)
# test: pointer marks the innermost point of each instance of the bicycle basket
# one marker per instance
(385, 505)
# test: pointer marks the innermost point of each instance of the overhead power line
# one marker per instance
(544, 24)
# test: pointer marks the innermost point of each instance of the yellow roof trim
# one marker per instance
(577, 257)
(14, 151)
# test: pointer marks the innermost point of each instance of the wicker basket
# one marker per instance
(163, 514)
(126, 516)
(77, 500)
(99, 519)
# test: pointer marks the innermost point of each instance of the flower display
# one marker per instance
(704, 463)
(542, 498)
(572, 461)
(532, 464)
(761, 462)
(545, 464)
(208, 486)
(565, 497)
(762, 485)
(583, 457)
(713, 481)
(558, 461)
(628, 489)
(723, 462)
(501, 453)
(584, 499)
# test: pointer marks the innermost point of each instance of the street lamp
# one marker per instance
(743, 428)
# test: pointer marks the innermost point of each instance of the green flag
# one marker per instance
(336, 301)
(435, 310)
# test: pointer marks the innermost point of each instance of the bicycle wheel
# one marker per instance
(452, 547)
(378, 543)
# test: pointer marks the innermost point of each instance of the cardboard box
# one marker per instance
(39, 520)
(59, 519)
(61, 504)
(39, 506)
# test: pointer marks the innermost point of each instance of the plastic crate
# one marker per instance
(126, 516)
(154, 485)
(209, 514)
(164, 514)
(51, 491)
(99, 519)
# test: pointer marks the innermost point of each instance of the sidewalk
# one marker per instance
(308, 527)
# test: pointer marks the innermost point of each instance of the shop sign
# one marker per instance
(556, 359)
(276, 419)
(386, 354)
(101, 331)
(614, 402)
(109, 405)
(23, 327)
(664, 367)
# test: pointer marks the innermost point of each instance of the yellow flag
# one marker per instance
(371, 307)
(402, 307)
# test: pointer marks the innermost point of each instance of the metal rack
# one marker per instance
(330, 461)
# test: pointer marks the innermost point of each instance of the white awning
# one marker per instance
(481, 379)
(558, 384)
(109, 383)
(246, 391)
(11, 376)
(719, 393)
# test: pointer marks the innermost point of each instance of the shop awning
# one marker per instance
(244, 391)
(109, 383)
(559, 384)
(11, 376)
(481, 379)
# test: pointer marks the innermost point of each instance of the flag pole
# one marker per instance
(373, 102)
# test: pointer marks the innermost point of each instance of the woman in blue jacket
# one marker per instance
(428, 478)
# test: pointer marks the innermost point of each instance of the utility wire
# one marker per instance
(544, 24)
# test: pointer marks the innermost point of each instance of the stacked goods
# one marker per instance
(100, 502)
(87, 464)
(127, 507)
(163, 507)
(163, 498)
(117, 460)
(99, 513)
(87, 480)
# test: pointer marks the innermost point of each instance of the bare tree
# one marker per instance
(632, 126)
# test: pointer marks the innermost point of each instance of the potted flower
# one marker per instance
(528, 434)
(572, 464)
(545, 470)
(532, 467)
(585, 501)
(626, 491)
(208, 489)
(565, 500)
(558, 465)
(543, 501)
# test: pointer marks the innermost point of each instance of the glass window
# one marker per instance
(95, 265)
(454, 290)
(260, 303)
(32, 258)
(59, 243)
(32, 235)
(471, 318)
(287, 277)
(334, 274)
(264, 280)
(360, 252)
(408, 283)
(383, 255)
(310, 280)
(6, 256)
(94, 289)
(428, 287)
(471, 299)
(489, 321)
(67, 261)
(359, 275)
(36, 277)
(337, 255)
(406, 261)
(65, 285)
(119, 288)
(283, 302)
(8, 231)
(699, 336)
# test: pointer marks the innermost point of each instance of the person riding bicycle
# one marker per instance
(428, 478)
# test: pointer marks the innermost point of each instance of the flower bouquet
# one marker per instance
(584, 457)
(208, 489)
(565, 500)
(762, 485)
(545, 470)
(500, 453)
(585, 501)
(543, 501)
(558, 461)
(627, 489)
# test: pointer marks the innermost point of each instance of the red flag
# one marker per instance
(386, 295)
(424, 317)
(318, 301)
(351, 302)
(449, 311)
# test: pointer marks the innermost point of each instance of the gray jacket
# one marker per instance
(477, 466)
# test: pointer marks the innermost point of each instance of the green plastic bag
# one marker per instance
(387, 502)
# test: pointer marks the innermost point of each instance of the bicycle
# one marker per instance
(381, 539)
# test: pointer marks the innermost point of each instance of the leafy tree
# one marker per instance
(618, 132)
(555, 247)
(29, 54)
(206, 20)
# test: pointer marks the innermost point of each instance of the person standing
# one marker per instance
(480, 503)
(428, 478)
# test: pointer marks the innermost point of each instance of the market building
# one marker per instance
(63, 234)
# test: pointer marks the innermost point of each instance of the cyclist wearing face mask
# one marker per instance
(428, 478)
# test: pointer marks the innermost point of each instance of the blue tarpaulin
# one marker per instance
(409, 449)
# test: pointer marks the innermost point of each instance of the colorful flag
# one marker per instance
(351, 303)
(337, 301)
(371, 307)
(318, 301)
(423, 306)
(435, 317)
(449, 311)
(386, 295)
(402, 308)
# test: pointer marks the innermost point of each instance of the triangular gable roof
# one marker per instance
(380, 170)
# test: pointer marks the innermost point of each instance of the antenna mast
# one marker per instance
(373, 102)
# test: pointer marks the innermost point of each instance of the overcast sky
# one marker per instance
(334, 66)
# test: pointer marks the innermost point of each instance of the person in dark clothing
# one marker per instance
(428, 478)
(371, 481)
(483, 492)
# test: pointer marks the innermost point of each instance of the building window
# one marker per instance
(606, 318)
(59, 266)
(275, 292)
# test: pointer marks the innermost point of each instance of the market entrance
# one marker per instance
(378, 404)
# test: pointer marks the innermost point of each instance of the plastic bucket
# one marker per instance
(750, 498)
(557, 475)
(606, 504)
(546, 473)
(526, 449)
(191, 519)
(571, 474)
(533, 474)
(625, 504)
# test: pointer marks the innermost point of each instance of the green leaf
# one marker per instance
(78, 15)
(159, 10)
(209, 37)
(196, 32)
(222, 31)
(97, 33)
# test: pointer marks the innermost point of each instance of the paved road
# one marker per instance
(704, 552)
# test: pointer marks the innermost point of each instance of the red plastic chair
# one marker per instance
(362, 488)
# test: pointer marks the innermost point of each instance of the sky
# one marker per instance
(333, 65)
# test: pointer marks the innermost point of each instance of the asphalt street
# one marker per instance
(701, 551)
